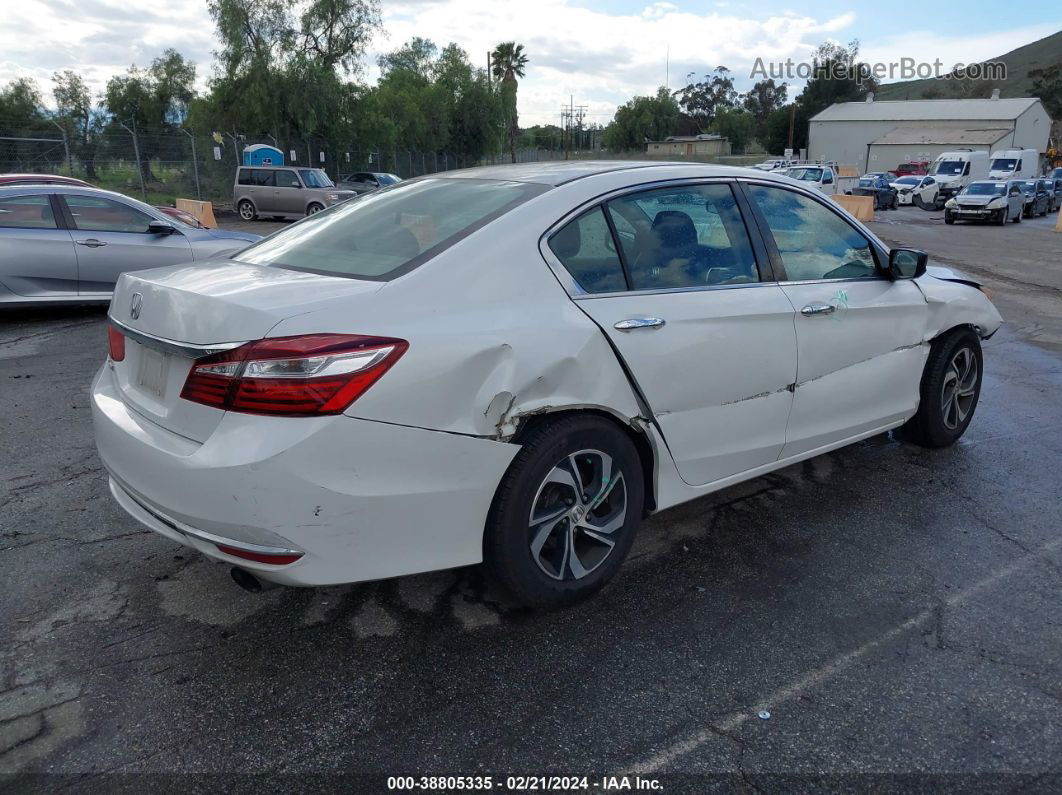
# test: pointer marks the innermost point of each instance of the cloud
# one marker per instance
(601, 58)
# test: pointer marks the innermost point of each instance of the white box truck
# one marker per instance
(1014, 164)
(953, 171)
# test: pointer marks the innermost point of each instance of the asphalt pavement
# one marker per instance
(882, 616)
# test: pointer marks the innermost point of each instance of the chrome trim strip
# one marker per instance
(210, 538)
(185, 349)
(584, 296)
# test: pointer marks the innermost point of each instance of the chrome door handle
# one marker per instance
(91, 242)
(817, 309)
(632, 323)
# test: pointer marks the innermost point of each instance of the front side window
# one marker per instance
(382, 235)
(96, 214)
(689, 236)
(586, 250)
(813, 241)
(26, 212)
(315, 178)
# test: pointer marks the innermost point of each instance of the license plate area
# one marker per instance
(152, 372)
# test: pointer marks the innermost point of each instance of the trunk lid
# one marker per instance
(182, 312)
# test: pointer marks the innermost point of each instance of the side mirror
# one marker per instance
(907, 263)
(160, 228)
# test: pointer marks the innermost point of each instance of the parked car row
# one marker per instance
(1000, 201)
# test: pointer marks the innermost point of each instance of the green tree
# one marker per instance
(21, 107)
(1047, 85)
(764, 98)
(642, 119)
(507, 63)
(78, 118)
(702, 100)
(837, 76)
(151, 102)
(777, 140)
(736, 125)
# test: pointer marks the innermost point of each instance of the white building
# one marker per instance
(878, 136)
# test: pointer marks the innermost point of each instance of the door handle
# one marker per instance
(817, 309)
(632, 323)
(91, 242)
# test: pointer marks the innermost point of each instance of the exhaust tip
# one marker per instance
(249, 582)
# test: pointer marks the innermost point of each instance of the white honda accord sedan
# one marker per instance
(515, 365)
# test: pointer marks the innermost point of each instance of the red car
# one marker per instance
(912, 169)
(41, 179)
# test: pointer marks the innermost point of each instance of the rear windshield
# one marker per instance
(384, 234)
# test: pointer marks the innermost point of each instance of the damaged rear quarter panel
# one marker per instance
(493, 338)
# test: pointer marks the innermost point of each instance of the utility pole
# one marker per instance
(195, 164)
(572, 116)
(136, 153)
(792, 122)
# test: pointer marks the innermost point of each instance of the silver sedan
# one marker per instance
(65, 244)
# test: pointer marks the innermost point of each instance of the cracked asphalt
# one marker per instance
(896, 611)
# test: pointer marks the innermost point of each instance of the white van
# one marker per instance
(1014, 164)
(953, 171)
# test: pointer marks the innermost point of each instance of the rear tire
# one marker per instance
(565, 513)
(950, 389)
(246, 210)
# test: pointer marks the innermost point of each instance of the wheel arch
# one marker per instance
(646, 453)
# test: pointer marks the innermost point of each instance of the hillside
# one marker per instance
(1037, 55)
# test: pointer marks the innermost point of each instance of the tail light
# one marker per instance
(292, 376)
(115, 343)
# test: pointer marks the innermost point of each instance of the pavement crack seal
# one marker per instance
(693, 741)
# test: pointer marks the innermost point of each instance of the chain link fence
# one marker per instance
(160, 166)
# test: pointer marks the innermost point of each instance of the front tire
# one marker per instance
(246, 210)
(1017, 218)
(1003, 216)
(314, 208)
(948, 218)
(950, 389)
(565, 513)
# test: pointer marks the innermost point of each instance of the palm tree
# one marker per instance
(507, 64)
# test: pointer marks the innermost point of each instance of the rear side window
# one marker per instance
(384, 234)
(26, 212)
(246, 177)
(263, 178)
(689, 236)
(585, 248)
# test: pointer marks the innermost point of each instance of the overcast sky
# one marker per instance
(602, 52)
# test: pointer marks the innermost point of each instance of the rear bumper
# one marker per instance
(362, 500)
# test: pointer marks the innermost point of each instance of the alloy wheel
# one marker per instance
(576, 513)
(960, 388)
(247, 211)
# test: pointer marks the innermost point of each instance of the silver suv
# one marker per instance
(283, 192)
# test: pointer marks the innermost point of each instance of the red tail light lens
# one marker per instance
(293, 376)
(276, 559)
(115, 343)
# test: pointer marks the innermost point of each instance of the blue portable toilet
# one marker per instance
(262, 155)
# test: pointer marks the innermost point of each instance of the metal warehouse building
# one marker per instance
(878, 136)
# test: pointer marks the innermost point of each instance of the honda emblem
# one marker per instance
(134, 308)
